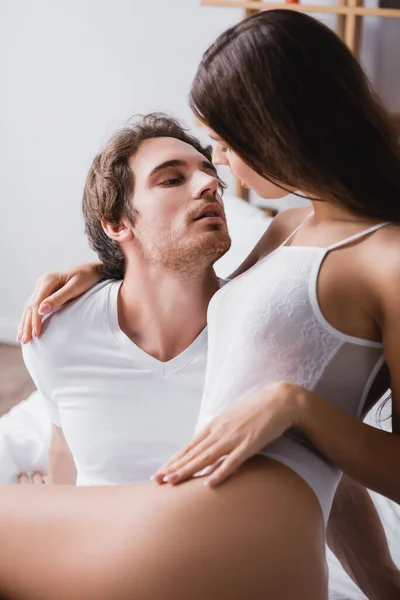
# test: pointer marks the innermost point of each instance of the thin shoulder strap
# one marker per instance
(296, 230)
(357, 236)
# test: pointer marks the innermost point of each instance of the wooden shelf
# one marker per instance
(257, 5)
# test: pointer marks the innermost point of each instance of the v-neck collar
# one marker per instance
(144, 360)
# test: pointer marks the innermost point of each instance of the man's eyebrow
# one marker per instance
(166, 164)
(181, 163)
(210, 167)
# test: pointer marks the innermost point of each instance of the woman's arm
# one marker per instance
(368, 455)
(52, 290)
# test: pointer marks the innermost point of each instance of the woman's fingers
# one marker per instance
(52, 290)
(229, 466)
(36, 322)
(31, 322)
(26, 333)
(41, 291)
(42, 303)
(189, 451)
(67, 292)
(24, 316)
(201, 447)
(205, 459)
(21, 325)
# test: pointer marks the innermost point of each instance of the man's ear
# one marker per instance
(119, 233)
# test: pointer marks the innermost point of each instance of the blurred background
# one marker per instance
(71, 72)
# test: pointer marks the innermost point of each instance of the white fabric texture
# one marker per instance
(111, 399)
(26, 430)
(24, 439)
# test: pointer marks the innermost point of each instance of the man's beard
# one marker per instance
(187, 256)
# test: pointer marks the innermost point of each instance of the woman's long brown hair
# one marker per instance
(283, 91)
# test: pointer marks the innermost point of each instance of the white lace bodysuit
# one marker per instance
(266, 325)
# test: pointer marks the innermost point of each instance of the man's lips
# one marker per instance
(210, 211)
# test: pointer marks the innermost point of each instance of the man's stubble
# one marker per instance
(188, 256)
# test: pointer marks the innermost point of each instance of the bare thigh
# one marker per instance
(259, 536)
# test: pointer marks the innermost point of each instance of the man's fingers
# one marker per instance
(228, 467)
(23, 479)
(38, 479)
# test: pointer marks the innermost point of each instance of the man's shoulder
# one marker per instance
(63, 330)
(83, 309)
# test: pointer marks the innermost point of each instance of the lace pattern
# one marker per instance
(262, 328)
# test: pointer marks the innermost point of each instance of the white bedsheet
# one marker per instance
(24, 439)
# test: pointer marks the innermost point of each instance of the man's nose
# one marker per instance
(205, 183)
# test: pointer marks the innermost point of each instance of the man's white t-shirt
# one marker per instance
(123, 412)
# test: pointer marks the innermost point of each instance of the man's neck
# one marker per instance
(163, 312)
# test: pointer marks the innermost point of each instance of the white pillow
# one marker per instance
(246, 224)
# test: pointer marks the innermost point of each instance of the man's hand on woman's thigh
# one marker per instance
(35, 479)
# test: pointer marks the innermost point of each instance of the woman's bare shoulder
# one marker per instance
(280, 228)
(384, 250)
(277, 231)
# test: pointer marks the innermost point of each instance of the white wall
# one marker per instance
(71, 71)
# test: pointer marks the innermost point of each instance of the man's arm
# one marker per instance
(62, 469)
(356, 536)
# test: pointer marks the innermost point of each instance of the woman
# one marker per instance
(289, 108)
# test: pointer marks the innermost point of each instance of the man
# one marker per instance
(116, 363)
(128, 357)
